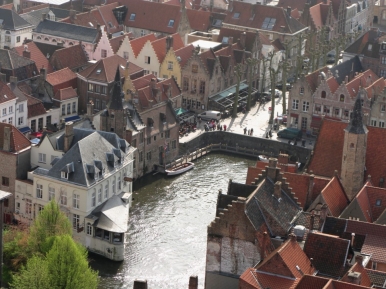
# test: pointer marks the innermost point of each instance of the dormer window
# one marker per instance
(64, 175)
(171, 23)
(225, 40)
(378, 202)
(132, 16)
(236, 15)
(369, 47)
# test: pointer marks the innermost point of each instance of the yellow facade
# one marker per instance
(171, 67)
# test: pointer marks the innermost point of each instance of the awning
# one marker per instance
(316, 122)
(25, 129)
(295, 115)
(228, 92)
(180, 111)
(72, 118)
(37, 134)
(35, 140)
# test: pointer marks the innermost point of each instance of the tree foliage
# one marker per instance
(34, 275)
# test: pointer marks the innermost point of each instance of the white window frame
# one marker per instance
(39, 191)
(63, 198)
(306, 106)
(51, 193)
(75, 221)
(75, 201)
(295, 104)
(42, 158)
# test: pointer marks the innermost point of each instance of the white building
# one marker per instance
(89, 173)
(14, 29)
(7, 104)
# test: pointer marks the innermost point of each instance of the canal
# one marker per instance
(166, 241)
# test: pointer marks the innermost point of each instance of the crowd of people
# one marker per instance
(187, 127)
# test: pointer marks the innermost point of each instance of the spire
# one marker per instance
(356, 122)
(116, 99)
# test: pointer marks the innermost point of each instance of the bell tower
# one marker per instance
(354, 151)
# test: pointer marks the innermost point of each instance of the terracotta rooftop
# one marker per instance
(116, 42)
(159, 46)
(34, 54)
(184, 53)
(60, 76)
(376, 247)
(335, 196)
(199, 20)
(71, 57)
(358, 267)
(6, 93)
(138, 43)
(35, 107)
(66, 93)
(18, 140)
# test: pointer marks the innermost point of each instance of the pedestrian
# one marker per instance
(270, 133)
(225, 127)
(245, 130)
(220, 127)
(251, 131)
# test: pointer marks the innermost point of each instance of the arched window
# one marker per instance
(323, 94)
(7, 32)
(70, 43)
(341, 98)
(352, 145)
(46, 39)
(39, 37)
(53, 40)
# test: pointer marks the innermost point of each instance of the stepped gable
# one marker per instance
(116, 42)
(159, 46)
(138, 43)
(184, 54)
(312, 78)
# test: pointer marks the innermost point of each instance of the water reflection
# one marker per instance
(166, 241)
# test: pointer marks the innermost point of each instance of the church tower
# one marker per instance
(354, 151)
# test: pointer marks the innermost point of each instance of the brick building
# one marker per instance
(15, 150)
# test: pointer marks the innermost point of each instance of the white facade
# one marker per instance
(43, 154)
(266, 50)
(103, 48)
(8, 111)
(147, 59)
(21, 117)
(12, 38)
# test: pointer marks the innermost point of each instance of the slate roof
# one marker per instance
(348, 67)
(36, 55)
(263, 207)
(117, 95)
(61, 76)
(64, 94)
(18, 140)
(318, 246)
(361, 45)
(107, 67)
(247, 10)
(35, 16)
(71, 57)
(11, 60)
(87, 146)
(6, 93)
(68, 31)
(12, 21)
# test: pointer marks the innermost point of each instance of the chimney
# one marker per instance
(68, 135)
(272, 169)
(277, 190)
(43, 73)
(44, 16)
(169, 43)
(26, 52)
(72, 15)
(7, 139)
(354, 277)
(90, 109)
(153, 82)
(193, 282)
(292, 237)
(352, 239)
(289, 10)
(243, 37)
(359, 260)
(13, 79)
(140, 284)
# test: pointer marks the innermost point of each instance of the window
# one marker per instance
(74, 107)
(383, 72)
(21, 107)
(20, 120)
(383, 59)
(148, 140)
(148, 156)
(236, 15)
(68, 108)
(318, 108)
(106, 190)
(346, 113)
(382, 123)
(28, 206)
(134, 161)
(301, 91)
(184, 102)
(186, 84)
(93, 199)
(132, 16)
(7, 38)
(4, 111)
(90, 87)
(113, 186)
(174, 144)
(126, 55)
(64, 175)
(5, 181)
(369, 47)
(119, 183)
(147, 59)
(295, 104)
(42, 158)
(374, 265)
(378, 202)
(51, 193)
(100, 195)
(194, 68)
(171, 23)
(97, 88)
(167, 134)
(383, 108)
(39, 191)
(63, 109)
(10, 120)
(323, 95)
(89, 229)
(155, 138)
(341, 98)
(304, 123)
(170, 66)
(373, 122)
(306, 105)
(103, 90)
(10, 109)
(143, 33)
(75, 201)
(63, 198)
(103, 53)
(202, 87)
(268, 23)
(75, 221)
(18, 39)
(337, 112)
(326, 109)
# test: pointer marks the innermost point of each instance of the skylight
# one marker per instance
(171, 23)
(236, 15)
(225, 40)
(132, 16)
(99, 71)
(217, 22)
(268, 23)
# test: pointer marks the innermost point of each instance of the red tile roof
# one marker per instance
(18, 140)
(335, 197)
(116, 42)
(104, 69)
(364, 228)
(71, 57)
(184, 54)
(66, 93)
(312, 78)
(6, 93)
(35, 106)
(143, 81)
(357, 267)
(312, 282)
(35, 54)
(332, 84)
(199, 20)
(138, 43)
(159, 46)
(376, 247)
(61, 76)
(367, 79)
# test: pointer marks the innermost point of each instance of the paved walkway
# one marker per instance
(257, 118)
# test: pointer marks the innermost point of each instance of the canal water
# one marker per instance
(166, 241)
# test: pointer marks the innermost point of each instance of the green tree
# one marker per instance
(34, 275)
(49, 223)
(68, 266)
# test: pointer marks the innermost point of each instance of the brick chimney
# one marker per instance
(140, 284)
(68, 135)
(243, 37)
(169, 43)
(354, 277)
(277, 190)
(309, 191)
(193, 282)
(7, 139)
(272, 170)
(43, 73)
(289, 10)
(26, 52)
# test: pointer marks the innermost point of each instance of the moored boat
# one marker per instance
(179, 169)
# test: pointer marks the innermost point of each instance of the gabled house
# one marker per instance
(7, 104)
(34, 14)
(67, 100)
(72, 57)
(95, 83)
(15, 151)
(116, 42)
(103, 48)
(130, 49)
(92, 192)
(29, 50)
(12, 64)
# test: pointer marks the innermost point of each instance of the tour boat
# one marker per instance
(179, 169)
